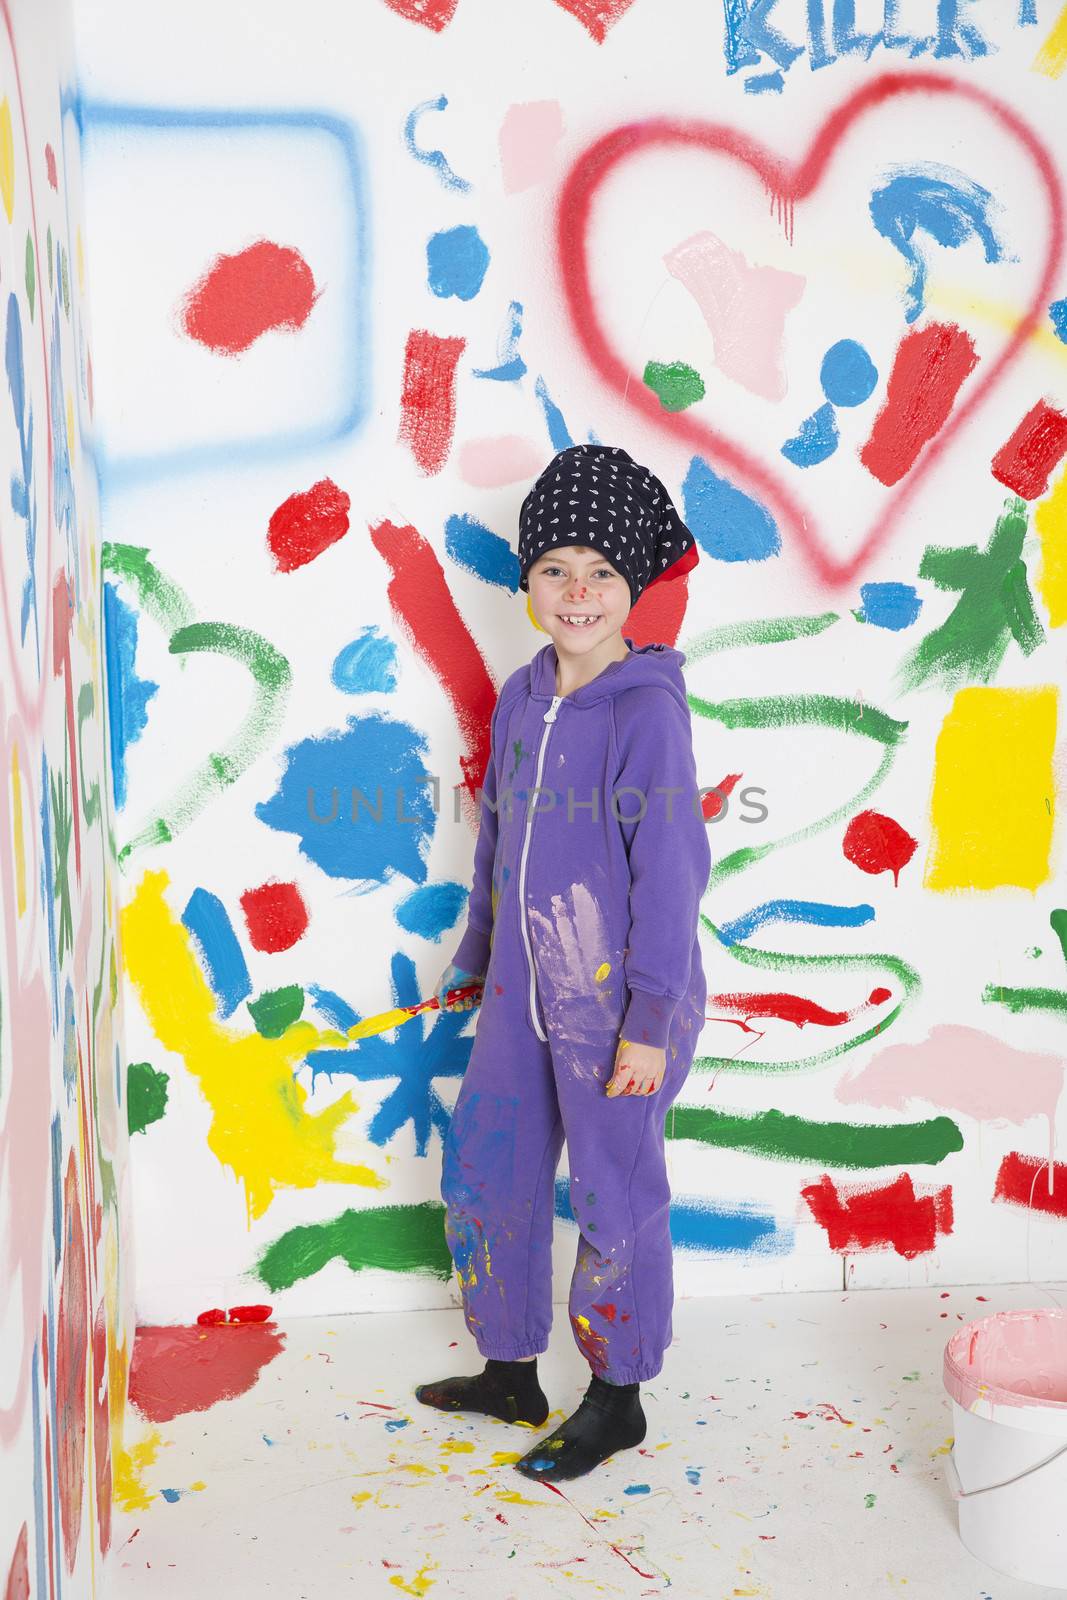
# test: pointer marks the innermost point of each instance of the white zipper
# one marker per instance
(549, 719)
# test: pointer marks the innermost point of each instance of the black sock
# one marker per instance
(610, 1418)
(509, 1390)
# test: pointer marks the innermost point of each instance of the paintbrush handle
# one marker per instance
(469, 991)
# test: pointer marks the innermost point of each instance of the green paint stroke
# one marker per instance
(90, 797)
(63, 833)
(778, 961)
(164, 600)
(31, 275)
(994, 607)
(1052, 1001)
(830, 1144)
(277, 1009)
(272, 675)
(676, 384)
(763, 630)
(391, 1238)
(146, 1095)
(1057, 921)
(48, 252)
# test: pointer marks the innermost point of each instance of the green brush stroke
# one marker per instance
(219, 769)
(764, 630)
(31, 276)
(677, 384)
(1057, 921)
(277, 1009)
(778, 961)
(994, 607)
(830, 1144)
(164, 600)
(1052, 1001)
(146, 1095)
(63, 834)
(392, 1238)
(91, 797)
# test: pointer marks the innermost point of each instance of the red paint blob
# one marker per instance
(597, 16)
(50, 167)
(175, 1370)
(276, 916)
(248, 1314)
(435, 14)
(428, 398)
(307, 524)
(715, 799)
(102, 1432)
(1025, 1180)
(72, 1343)
(243, 296)
(607, 1310)
(891, 1216)
(1025, 462)
(212, 1318)
(875, 843)
(928, 370)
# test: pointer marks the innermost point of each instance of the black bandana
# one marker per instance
(597, 495)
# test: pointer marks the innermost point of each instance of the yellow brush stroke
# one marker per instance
(992, 800)
(420, 1583)
(259, 1126)
(17, 829)
(1050, 520)
(1052, 56)
(379, 1023)
(130, 1493)
(7, 159)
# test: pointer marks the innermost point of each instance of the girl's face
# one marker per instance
(572, 583)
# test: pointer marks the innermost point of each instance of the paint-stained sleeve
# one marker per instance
(669, 855)
(473, 951)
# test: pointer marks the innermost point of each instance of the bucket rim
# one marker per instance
(965, 1388)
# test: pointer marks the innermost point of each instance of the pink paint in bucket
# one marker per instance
(1007, 1376)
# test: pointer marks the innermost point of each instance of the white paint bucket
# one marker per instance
(1007, 1376)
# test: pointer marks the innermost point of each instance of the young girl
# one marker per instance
(591, 860)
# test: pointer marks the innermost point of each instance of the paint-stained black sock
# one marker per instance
(509, 1390)
(610, 1418)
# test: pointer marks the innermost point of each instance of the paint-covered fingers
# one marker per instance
(455, 977)
(639, 1069)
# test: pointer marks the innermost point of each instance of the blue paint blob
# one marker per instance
(367, 665)
(394, 1424)
(938, 201)
(456, 262)
(848, 375)
(637, 1488)
(345, 796)
(693, 1474)
(815, 440)
(208, 921)
(889, 605)
(127, 694)
(728, 524)
(481, 552)
(1058, 312)
(432, 910)
(170, 1495)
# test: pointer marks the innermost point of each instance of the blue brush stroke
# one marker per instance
(727, 524)
(889, 605)
(703, 1226)
(127, 694)
(337, 1011)
(333, 788)
(480, 551)
(48, 886)
(208, 921)
(847, 42)
(456, 262)
(70, 1043)
(939, 201)
(558, 432)
(432, 910)
(1027, 14)
(638, 1488)
(765, 83)
(434, 159)
(848, 375)
(815, 440)
(750, 35)
(956, 36)
(367, 665)
(1058, 313)
(98, 121)
(817, 912)
(427, 1047)
(509, 363)
(63, 508)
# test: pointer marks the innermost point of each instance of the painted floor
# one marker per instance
(796, 1447)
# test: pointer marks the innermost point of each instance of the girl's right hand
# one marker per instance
(454, 977)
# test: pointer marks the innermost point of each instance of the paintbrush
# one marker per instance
(392, 1019)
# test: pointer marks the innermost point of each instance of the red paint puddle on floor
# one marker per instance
(178, 1369)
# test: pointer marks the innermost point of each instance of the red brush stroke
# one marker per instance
(875, 843)
(18, 1576)
(422, 602)
(50, 167)
(607, 1310)
(712, 803)
(929, 368)
(596, 16)
(1024, 1181)
(1025, 462)
(308, 523)
(241, 297)
(428, 399)
(787, 184)
(275, 915)
(789, 1008)
(72, 1343)
(435, 14)
(175, 1370)
(102, 1432)
(870, 1219)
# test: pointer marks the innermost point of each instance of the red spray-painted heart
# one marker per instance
(787, 184)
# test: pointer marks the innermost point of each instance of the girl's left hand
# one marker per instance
(639, 1069)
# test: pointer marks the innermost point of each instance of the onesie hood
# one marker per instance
(655, 665)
